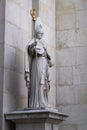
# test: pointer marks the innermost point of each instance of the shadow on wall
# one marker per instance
(15, 95)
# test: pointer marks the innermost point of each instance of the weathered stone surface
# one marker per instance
(82, 127)
(66, 35)
(81, 55)
(16, 37)
(67, 127)
(2, 31)
(1, 55)
(66, 57)
(9, 99)
(81, 4)
(18, 17)
(79, 75)
(81, 37)
(1, 80)
(24, 116)
(77, 114)
(11, 34)
(64, 76)
(10, 62)
(25, 5)
(65, 4)
(14, 83)
(19, 61)
(2, 9)
(52, 96)
(1, 102)
(0, 122)
(66, 22)
(45, 11)
(76, 75)
(81, 94)
(65, 95)
(81, 18)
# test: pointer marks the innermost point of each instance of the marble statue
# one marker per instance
(37, 64)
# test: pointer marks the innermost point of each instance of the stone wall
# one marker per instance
(71, 35)
(18, 31)
(2, 30)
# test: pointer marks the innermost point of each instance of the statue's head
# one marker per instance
(38, 28)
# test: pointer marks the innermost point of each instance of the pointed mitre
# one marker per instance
(38, 25)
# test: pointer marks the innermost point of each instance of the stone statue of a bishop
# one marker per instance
(37, 64)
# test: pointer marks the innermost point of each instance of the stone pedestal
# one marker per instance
(36, 119)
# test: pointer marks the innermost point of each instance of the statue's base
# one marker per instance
(41, 119)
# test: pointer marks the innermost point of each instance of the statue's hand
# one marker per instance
(27, 84)
(27, 78)
(34, 44)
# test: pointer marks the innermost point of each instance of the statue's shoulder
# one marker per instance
(31, 41)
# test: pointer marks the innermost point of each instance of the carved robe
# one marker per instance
(37, 66)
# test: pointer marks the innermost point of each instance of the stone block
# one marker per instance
(15, 36)
(15, 84)
(81, 94)
(53, 5)
(76, 75)
(65, 4)
(81, 5)
(2, 24)
(19, 61)
(9, 102)
(31, 126)
(45, 11)
(1, 79)
(82, 18)
(9, 61)
(79, 75)
(23, 39)
(66, 57)
(65, 95)
(25, 5)
(1, 103)
(13, 16)
(53, 75)
(2, 9)
(18, 17)
(67, 127)
(12, 33)
(0, 123)
(52, 18)
(25, 21)
(52, 96)
(81, 55)
(46, 36)
(81, 37)
(65, 22)
(1, 55)
(77, 114)
(82, 127)
(12, 102)
(46, 2)
(66, 36)
(65, 11)
(52, 39)
(64, 76)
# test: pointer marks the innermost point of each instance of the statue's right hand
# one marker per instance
(34, 44)
(27, 79)
(27, 84)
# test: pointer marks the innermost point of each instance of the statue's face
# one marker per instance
(39, 35)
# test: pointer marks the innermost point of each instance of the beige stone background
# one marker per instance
(65, 27)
